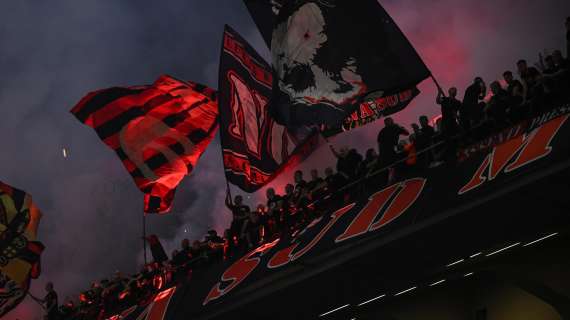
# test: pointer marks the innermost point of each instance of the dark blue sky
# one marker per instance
(54, 52)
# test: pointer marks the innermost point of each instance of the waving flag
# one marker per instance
(255, 148)
(331, 56)
(19, 249)
(159, 132)
(264, 14)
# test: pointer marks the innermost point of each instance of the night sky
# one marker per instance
(53, 52)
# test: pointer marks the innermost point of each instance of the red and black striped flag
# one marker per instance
(159, 131)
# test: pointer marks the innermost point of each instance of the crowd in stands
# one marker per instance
(538, 88)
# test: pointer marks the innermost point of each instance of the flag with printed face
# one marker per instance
(159, 132)
(255, 148)
(20, 249)
(330, 56)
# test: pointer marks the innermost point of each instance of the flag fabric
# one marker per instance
(20, 249)
(255, 148)
(156, 249)
(330, 56)
(264, 14)
(372, 110)
(158, 131)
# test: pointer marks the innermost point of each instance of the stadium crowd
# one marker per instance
(428, 144)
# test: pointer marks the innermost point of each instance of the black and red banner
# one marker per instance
(330, 56)
(372, 110)
(384, 214)
(158, 131)
(255, 148)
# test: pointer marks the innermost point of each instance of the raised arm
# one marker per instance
(440, 96)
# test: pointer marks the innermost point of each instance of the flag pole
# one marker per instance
(439, 88)
(144, 236)
(229, 192)
(37, 300)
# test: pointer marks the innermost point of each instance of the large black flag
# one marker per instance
(264, 14)
(255, 148)
(331, 56)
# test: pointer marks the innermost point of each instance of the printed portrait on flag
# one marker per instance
(20, 249)
(330, 56)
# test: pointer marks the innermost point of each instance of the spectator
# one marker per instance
(213, 237)
(421, 140)
(370, 161)
(514, 88)
(119, 279)
(429, 133)
(550, 67)
(533, 83)
(66, 310)
(251, 230)
(427, 130)
(185, 249)
(50, 303)
(449, 107)
(300, 183)
(265, 233)
(421, 143)
(354, 161)
(529, 77)
(197, 252)
(300, 200)
(317, 185)
(334, 181)
(496, 110)
(410, 152)
(342, 163)
(289, 208)
(471, 110)
(274, 211)
(176, 258)
(315, 182)
(239, 215)
(559, 61)
(562, 76)
(388, 139)
(438, 124)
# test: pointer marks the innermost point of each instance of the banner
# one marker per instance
(330, 56)
(159, 132)
(255, 148)
(20, 249)
(372, 110)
